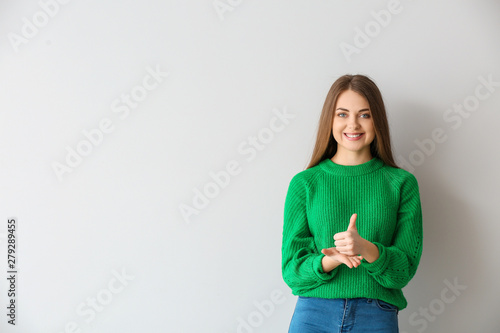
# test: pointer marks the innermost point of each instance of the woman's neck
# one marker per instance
(351, 157)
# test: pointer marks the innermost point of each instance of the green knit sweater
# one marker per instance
(319, 203)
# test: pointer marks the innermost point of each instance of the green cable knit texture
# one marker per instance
(319, 203)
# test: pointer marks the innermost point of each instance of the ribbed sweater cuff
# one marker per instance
(379, 265)
(318, 269)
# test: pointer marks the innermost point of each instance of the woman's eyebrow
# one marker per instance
(343, 109)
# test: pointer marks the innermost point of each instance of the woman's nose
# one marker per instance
(353, 122)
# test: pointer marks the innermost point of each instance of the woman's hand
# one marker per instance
(350, 261)
(350, 243)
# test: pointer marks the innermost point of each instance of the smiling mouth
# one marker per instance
(353, 135)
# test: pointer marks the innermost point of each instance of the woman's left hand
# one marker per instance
(350, 242)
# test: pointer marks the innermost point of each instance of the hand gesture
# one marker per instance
(349, 242)
(350, 261)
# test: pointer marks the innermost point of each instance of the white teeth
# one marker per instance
(353, 136)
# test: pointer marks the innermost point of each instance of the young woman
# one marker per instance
(352, 232)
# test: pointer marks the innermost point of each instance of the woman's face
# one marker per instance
(352, 123)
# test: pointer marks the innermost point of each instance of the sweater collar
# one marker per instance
(351, 170)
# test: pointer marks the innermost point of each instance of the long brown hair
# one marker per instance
(326, 146)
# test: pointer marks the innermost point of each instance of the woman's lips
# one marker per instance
(353, 136)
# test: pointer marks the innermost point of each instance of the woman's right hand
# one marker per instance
(349, 261)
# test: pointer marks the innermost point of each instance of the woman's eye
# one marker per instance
(342, 115)
(365, 115)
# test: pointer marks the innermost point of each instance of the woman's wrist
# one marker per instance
(328, 264)
(370, 251)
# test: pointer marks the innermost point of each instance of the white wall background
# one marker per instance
(118, 210)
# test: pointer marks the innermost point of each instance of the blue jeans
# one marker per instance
(353, 315)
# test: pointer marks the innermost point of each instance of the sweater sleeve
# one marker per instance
(397, 263)
(301, 261)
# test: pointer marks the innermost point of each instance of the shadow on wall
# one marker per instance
(449, 266)
(449, 263)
